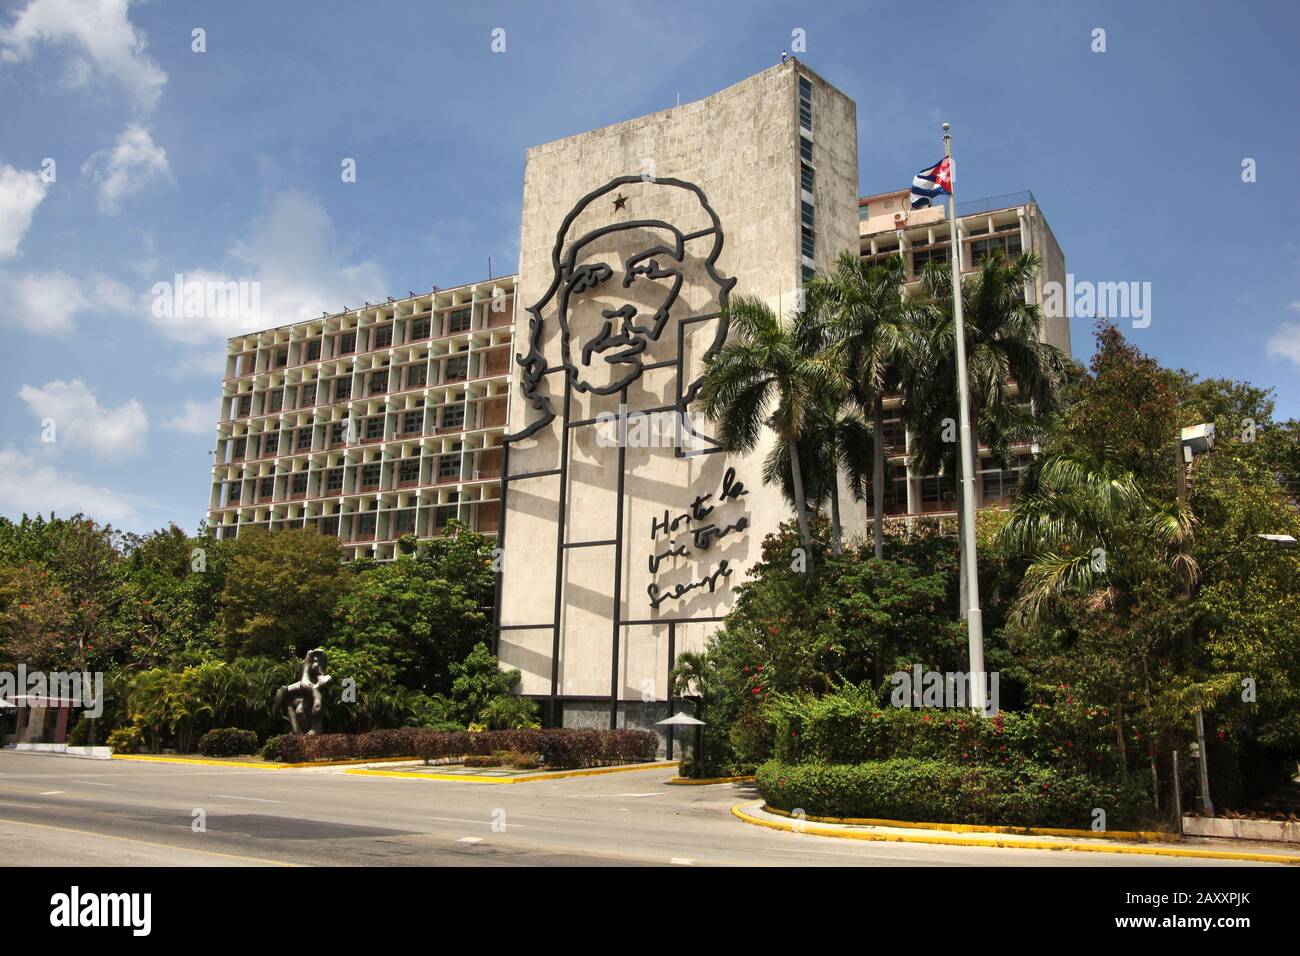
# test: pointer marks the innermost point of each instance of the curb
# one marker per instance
(265, 765)
(708, 781)
(1141, 849)
(529, 778)
(1134, 836)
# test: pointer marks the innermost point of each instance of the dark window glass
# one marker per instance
(457, 368)
(805, 149)
(245, 405)
(405, 521)
(304, 439)
(334, 479)
(265, 487)
(232, 492)
(281, 358)
(412, 422)
(448, 466)
(271, 443)
(459, 321)
(370, 475)
(342, 388)
(379, 382)
(417, 375)
(313, 350)
(383, 337)
(240, 445)
(347, 343)
(409, 470)
(300, 483)
(366, 523)
(453, 416)
(420, 329)
(375, 427)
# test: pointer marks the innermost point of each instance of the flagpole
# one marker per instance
(974, 617)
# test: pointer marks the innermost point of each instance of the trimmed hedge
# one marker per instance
(562, 749)
(940, 791)
(228, 742)
(847, 728)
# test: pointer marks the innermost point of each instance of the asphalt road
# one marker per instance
(57, 811)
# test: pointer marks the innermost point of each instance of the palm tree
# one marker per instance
(1070, 514)
(870, 322)
(836, 439)
(764, 377)
(1012, 374)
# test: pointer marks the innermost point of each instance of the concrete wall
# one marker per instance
(740, 147)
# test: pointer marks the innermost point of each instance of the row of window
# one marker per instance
(375, 337)
(409, 423)
(807, 179)
(1006, 245)
(447, 467)
(456, 369)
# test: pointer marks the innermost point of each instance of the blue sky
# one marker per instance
(227, 164)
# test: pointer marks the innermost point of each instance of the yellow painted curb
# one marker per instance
(529, 778)
(706, 781)
(201, 761)
(1142, 849)
(1139, 836)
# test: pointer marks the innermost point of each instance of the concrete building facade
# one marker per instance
(557, 408)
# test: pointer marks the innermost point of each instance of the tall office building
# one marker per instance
(558, 408)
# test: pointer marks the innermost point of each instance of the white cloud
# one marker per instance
(194, 418)
(296, 266)
(1285, 342)
(21, 192)
(46, 303)
(81, 422)
(105, 41)
(34, 486)
(134, 161)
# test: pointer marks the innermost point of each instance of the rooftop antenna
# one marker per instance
(783, 56)
(489, 267)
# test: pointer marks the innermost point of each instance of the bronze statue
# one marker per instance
(304, 700)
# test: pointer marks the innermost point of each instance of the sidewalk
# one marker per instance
(756, 814)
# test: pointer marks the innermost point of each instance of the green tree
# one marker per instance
(866, 318)
(476, 681)
(280, 592)
(767, 376)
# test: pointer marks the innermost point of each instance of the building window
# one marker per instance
(448, 467)
(271, 443)
(300, 483)
(378, 382)
(453, 416)
(417, 375)
(442, 515)
(313, 350)
(807, 272)
(366, 524)
(1007, 246)
(304, 439)
(375, 428)
(383, 337)
(938, 490)
(245, 405)
(404, 522)
(420, 328)
(232, 491)
(805, 104)
(807, 242)
(276, 400)
(241, 445)
(334, 480)
(412, 422)
(923, 257)
(281, 358)
(806, 177)
(863, 214)
(408, 469)
(370, 475)
(459, 321)
(347, 343)
(266, 487)
(805, 149)
(457, 368)
(343, 388)
(330, 525)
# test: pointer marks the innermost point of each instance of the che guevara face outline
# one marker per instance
(616, 336)
(629, 334)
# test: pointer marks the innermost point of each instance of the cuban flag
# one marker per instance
(930, 182)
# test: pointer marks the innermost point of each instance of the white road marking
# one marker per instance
(50, 793)
(229, 796)
(464, 820)
(92, 783)
(682, 861)
(29, 806)
(470, 840)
